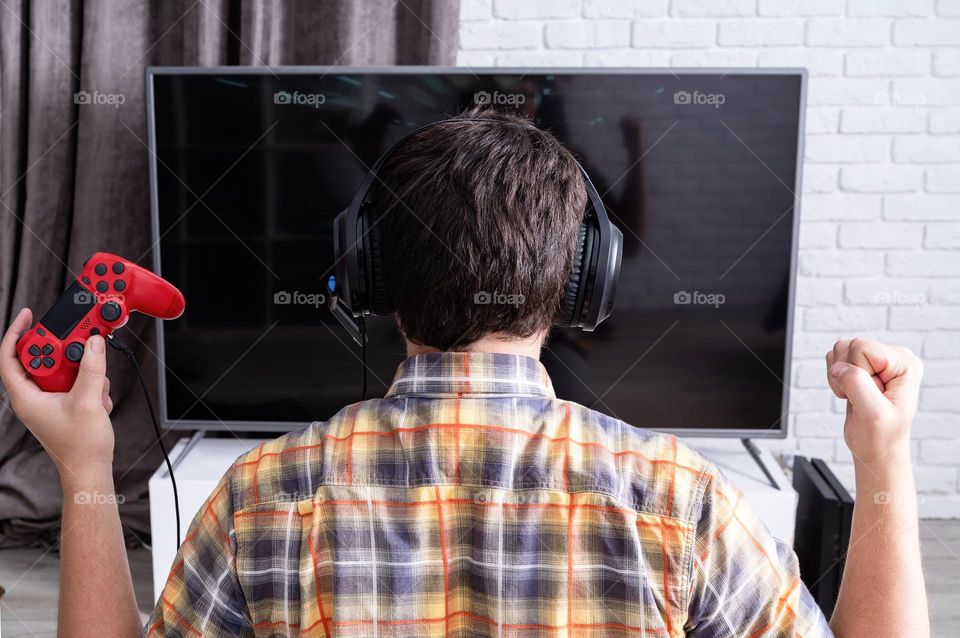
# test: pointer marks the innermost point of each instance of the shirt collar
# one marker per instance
(449, 374)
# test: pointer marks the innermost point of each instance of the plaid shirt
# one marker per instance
(470, 501)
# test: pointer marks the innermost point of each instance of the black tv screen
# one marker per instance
(698, 169)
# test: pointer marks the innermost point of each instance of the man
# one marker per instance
(470, 501)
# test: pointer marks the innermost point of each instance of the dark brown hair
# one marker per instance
(478, 223)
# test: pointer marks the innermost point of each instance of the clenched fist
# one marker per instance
(881, 384)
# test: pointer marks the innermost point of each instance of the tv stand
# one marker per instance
(756, 455)
(200, 461)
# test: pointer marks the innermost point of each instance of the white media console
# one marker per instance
(199, 463)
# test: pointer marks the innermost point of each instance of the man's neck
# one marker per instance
(496, 342)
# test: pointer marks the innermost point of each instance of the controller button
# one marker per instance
(47, 349)
(119, 285)
(85, 279)
(94, 331)
(74, 351)
(34, 350)
(41, 332)
(100, 269)
(35, 363)
(110, 311)
(48, 362)
(102, 286)
(117, 268)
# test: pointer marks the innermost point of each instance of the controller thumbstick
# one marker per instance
(110, 311)
(74, 352)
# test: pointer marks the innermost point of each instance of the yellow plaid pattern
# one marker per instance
(470, 501)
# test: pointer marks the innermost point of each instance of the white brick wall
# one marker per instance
(880, 225)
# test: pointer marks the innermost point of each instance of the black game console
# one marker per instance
(822, 534)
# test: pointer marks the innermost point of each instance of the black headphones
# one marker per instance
(359, 282)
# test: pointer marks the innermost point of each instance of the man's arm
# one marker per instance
(202, 595)
(96, 591)
(744, 581)
(882, 591)
(747, 583)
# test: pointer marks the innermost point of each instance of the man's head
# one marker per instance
(479, 225)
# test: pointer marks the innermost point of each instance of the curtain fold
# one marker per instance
(74, 170)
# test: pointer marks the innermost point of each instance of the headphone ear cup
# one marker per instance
(571, 293)
(378, 297)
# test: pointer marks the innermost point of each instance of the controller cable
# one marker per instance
(363, 355)
(116, 344)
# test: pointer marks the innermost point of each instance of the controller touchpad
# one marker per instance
(72, 306)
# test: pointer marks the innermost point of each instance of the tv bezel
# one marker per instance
(771, 432)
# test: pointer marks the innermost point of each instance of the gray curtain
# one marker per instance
(73, 177)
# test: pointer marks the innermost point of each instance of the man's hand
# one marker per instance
(74, 427)
(881, 384)
(882, 592)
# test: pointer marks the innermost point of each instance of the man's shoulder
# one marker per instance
(287, 468)
(658, 473)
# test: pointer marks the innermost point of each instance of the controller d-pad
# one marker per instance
(47, 349)
(74, 351)
(119, 285)
(110, 311)
(35, 363)
(48, 362)
(101, 286)
(117, 268)
(100, 269)
(34, 350)
(41, 332)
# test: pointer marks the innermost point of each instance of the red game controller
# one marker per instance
(99, 301)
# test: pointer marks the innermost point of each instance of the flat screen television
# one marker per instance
(698, 168)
